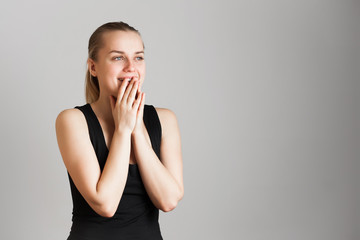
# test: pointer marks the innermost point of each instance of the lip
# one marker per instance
(127, 77)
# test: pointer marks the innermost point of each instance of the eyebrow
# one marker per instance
(121, 52)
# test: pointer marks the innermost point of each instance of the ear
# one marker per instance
(91, 67)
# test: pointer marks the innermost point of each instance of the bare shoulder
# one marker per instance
(70, 118)
(168, 120)
(166, 114)
(69, 114)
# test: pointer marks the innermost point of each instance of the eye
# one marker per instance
(118, 58)
(139, 58)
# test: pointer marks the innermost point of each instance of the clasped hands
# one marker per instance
(128, 108)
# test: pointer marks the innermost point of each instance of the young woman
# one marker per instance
(123, 157)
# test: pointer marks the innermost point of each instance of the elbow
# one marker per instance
(105, 210)
(108, 213)
(171, 204)
(105, 206)
(168, 207)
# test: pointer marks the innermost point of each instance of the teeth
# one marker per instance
(126, 79)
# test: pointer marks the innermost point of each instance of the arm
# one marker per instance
(163, 179)
(102, 191)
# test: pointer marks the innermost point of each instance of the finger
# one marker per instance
(140, 85)
(133, 92)
(137, 100)
(122, 89)
(139, 89)
(112, 102)
(128, 89)
(142, 103)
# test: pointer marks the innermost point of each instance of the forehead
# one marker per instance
(126, 41)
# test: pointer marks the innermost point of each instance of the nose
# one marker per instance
(129, 67)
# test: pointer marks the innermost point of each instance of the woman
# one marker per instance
(123, 157)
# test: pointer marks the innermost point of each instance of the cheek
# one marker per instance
(106, 70)
(108, 78)
(143, 72)
(142, 79)
(112, 70)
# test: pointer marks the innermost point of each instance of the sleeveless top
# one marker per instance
(136, 216)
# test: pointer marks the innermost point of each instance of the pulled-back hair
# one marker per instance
(92, 90)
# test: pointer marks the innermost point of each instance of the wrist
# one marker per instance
(139, 131)
(122, 132)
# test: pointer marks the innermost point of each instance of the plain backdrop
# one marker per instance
(266, 94)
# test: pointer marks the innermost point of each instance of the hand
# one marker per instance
(125, 107)
(139, 125)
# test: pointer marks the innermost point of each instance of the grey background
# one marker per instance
(266, 94)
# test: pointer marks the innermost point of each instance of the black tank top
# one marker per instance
(136, 217)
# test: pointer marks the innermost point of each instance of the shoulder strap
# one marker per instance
(95, 133)
(151, 121)
(153, 126)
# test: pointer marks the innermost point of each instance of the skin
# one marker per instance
(119, 110)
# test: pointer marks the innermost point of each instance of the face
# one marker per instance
(120, 59)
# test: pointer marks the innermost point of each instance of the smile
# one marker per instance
(126, 78)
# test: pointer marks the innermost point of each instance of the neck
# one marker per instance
(102, 109)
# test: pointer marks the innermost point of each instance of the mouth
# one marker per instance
(126, 79)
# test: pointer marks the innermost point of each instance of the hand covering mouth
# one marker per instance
(126, 78)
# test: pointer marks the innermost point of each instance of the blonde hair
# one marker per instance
(92, 90)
